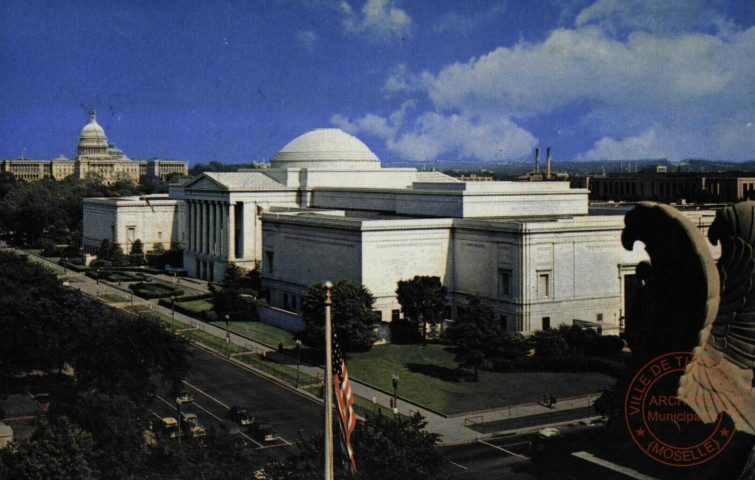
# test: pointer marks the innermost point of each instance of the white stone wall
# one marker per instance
(156, 221)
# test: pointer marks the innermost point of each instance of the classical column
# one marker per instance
(201, 227)
(217, 242)
(188, 226)
(211, 232)
(197, 225)
(223, 229)
(231, 232)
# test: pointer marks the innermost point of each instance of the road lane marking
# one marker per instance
(457, 465)
(207, 395)
(502, 449)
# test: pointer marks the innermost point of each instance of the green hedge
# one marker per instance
(73, 266)
(154, 290)
(609, 366)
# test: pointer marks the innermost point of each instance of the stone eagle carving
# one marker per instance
(690, 303)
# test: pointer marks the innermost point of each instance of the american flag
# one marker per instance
(346, 415)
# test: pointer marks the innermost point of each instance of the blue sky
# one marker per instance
(415, 80)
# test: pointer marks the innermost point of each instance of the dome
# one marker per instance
(326, 148)
(92, 140)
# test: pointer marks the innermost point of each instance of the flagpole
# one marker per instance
(328, 385)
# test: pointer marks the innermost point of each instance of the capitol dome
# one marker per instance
(92, 140)
(326, 148)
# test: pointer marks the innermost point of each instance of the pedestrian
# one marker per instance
(553, 401)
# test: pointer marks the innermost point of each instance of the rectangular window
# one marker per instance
(599, 317)
(543, 285)
(293, 303)
(546, 323)
(270, 259)
(395, 315)
(504, 322)
(159, 235)
(130, 234)
(286, 304)
(504, 283)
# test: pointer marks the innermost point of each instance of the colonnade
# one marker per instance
(211, 228)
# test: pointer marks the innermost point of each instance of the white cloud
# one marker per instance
(308, 38)
(402, 80)
(725, 140)
(379, 20)
(460, 136)
(433, 135)
(666, 17)
(466, 23)
(685, 83)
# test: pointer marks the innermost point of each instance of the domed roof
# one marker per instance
(326, 148)
(92, 129)
(92, 141)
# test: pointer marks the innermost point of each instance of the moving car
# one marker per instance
(241, 416)
(263, 432)
(169, 427)
(190, 425)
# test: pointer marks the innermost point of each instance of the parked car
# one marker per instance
(241, 416)
(263, 432)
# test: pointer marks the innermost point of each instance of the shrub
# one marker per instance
(154, 290)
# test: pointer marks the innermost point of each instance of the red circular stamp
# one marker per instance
(663, 425)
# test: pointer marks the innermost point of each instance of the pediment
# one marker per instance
(204, 184)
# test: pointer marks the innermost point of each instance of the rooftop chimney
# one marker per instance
(548, 156)
(537, 160)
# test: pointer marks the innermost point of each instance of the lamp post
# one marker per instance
(172, 311)
(298, 348)
(394, 379)
(98, 282)
(227, 334)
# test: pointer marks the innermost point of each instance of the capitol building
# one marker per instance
(327, 209)
(96, 158)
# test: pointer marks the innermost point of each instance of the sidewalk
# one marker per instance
(454, 429)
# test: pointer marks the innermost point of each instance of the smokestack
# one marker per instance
(548, 156)
(537, 160)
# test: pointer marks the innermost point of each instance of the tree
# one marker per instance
(423, 301)
(353, 319)
(137, 247)
(476, 334)
(55, 450)
(158, 249)
(384, 448)
(549, 344)
(229, 299)
(116, 424)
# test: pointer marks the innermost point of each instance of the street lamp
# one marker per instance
(98, 282)
(298, 348)
(172, 311)
(394, 378)
(227, 334)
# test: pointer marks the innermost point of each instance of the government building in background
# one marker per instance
(326, 209)
(96, 158)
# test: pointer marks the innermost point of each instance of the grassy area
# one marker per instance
(261, 332)
(113, 298)
(165, 318)
(197, 306)
(212, 341)
(428, 376)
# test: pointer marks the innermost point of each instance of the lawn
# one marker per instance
(261, 332)
(428, 376)
(113, 298)
(197, 306)
(165, 318)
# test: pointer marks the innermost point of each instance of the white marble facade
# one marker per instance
(327, 210)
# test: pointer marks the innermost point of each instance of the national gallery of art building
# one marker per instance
(326, 209)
